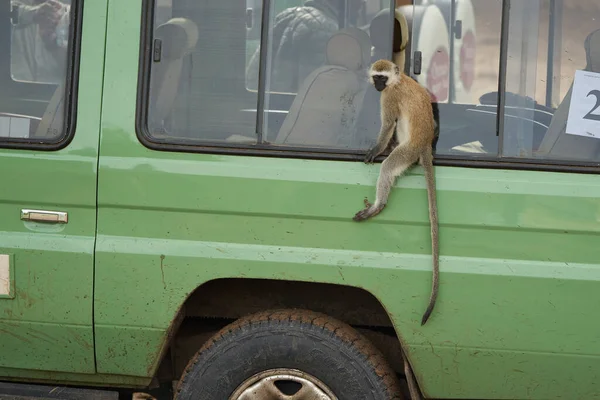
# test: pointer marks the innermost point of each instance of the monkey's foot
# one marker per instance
(368, 212)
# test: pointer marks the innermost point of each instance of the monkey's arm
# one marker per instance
(388, 124)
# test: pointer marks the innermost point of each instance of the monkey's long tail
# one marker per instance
(427, 162)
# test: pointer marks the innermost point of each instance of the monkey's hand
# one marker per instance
(372, 154)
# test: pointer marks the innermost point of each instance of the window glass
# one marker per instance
(35, 34)
(39, 40)
(197, 82)
(320, 52)
(206, 58)
(548, 114)
(254, 15)
(459, 65)
(205, 64)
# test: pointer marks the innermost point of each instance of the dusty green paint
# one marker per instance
(519, 250)
(120, 346)
(48, 325)
(47, 346)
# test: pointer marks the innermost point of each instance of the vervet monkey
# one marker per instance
(406, 106)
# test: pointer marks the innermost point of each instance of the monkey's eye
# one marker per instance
(380, 78)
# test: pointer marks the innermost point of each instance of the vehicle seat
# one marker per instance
(327, 104)
(54, 115)
(379, 32)
(556, 142)
(179, 37)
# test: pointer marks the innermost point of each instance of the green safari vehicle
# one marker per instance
(178, 180)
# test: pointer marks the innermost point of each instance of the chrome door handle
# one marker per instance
(44, 216)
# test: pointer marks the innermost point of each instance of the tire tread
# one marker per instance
(334, 328)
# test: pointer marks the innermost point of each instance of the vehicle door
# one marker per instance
(50, 90)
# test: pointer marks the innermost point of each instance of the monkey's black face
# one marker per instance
(380, 81)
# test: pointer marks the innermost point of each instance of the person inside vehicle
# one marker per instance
(299, 41)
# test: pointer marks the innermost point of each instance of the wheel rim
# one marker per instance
(282, 384)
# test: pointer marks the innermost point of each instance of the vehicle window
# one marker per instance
(218, 77)
(33, 79)
(207, 58)
(197, 85)
(548, 114)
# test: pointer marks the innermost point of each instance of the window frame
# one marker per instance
(71, 88)
(481, 162)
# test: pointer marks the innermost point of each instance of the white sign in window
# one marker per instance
(584, 111)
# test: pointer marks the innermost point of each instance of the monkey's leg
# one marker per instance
(399, 160)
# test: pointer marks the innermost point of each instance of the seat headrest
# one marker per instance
(379, 31)
(349, 48)
(179, 36)
(592, 51)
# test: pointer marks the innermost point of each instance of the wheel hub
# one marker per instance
(282, 384)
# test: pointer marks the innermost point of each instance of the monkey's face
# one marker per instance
(380, 82)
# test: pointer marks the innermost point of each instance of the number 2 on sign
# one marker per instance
(585, 92)
(589, 115)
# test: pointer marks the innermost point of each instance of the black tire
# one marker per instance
(318, 345)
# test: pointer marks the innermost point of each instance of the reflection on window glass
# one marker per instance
(548, 42)
(460, 68)
(40, 36)
(32, 102)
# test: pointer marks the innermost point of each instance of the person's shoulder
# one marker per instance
(288, 13)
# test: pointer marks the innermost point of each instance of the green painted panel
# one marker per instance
(48, 345)
(48, 325)
(122, 344)
(525, 374)
(483, 316)
(45, 265)
(520, 256)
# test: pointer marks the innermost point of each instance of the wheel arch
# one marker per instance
(217, 302)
